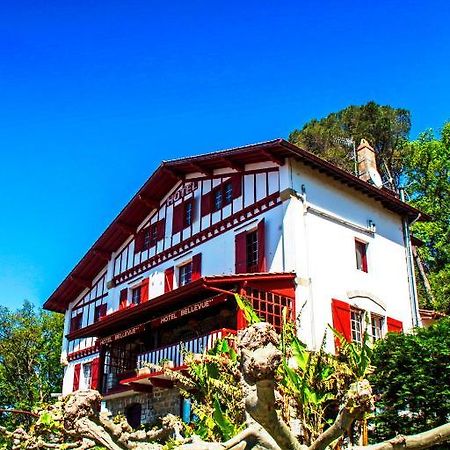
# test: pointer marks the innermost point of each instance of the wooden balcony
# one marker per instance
(175, 353)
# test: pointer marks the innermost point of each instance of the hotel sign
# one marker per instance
(186, 189)
(122, 334)
(178, 314)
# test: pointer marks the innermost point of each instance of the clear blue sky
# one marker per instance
(94, 94)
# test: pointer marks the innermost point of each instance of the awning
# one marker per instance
(190, 294)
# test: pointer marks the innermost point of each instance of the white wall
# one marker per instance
(326, 263)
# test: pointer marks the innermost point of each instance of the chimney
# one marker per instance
(366, 160)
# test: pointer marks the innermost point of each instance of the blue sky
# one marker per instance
(94, 94)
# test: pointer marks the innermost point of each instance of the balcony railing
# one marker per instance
(176, 352)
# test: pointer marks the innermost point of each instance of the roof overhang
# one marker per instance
(193, 292)
(171, 172)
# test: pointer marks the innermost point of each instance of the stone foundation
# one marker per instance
(154, 405)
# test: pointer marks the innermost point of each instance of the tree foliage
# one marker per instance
(427, 175)
(412, 380)
(30, 370)
(386, 128)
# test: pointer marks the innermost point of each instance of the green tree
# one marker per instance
(411, 380)
(386, 128)
(30, 370)
(427, 175)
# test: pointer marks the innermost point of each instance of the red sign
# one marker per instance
(178, 314)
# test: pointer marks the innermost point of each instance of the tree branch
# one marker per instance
(419, 441)
(358, 401)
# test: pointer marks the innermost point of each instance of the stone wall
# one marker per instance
(154, 405)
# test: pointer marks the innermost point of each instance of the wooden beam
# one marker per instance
(234, 165)
(274, 158)
(81, 282)
(149, 202)
(126, 228)
(162, 383)
(103, 254)
(201, 169)
(179, 176)
(146, 388)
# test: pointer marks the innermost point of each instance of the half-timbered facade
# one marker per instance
(268, 221)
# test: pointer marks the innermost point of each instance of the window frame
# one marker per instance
(357, 316)
(361, 248)
(188, 220)
(185, 278)
(251, 255)
(135, 289)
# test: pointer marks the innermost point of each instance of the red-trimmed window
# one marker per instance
(222, 195)
(87, 375)
(100, 311)
(76, 322)
(376, 326)
(136, 295)
(185, 274)
(361, 255)
(250, 250)
(188, 213)
(356, 324)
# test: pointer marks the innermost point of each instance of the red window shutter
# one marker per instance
(196, 266)
(123, 298)
(168, 279)
(177, 221)
(261, 246)
(95, 366)
(161, 229)
(76, 377)
(394, 325)
(241, 252)
(206, 204)
(145, 289)
(236, 182)
(139, 242)
(341, 318)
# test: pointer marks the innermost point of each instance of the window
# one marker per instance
(223, 195)
(185, 274)
(217, 199)
(252, 251)
(188, 213)
(227, 193)
(356, 325)
(75, 322)
(361, 255)
(136, 295)
(100, 311)
(376, 323)
(87, 375)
